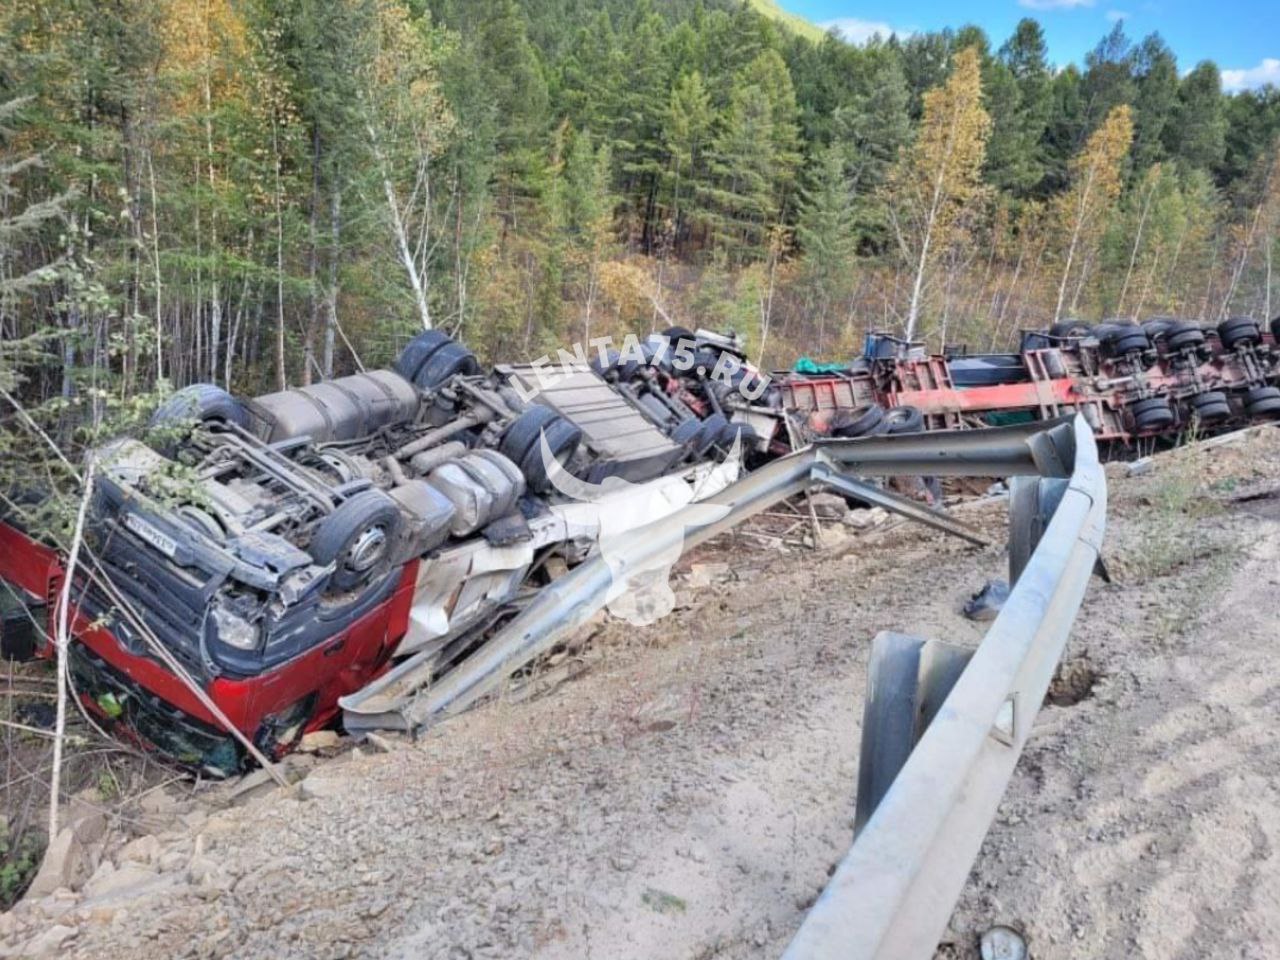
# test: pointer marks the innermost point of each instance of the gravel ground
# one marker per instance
(686, 789)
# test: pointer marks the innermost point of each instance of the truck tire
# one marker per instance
(418, 350)
(679, 333)
(1262, 402)
(1238, 332)
(1070, 329)
(904, 420)
(709, 435)
(522, 445)
(358, 539)
(686, 432)
(867, 422)
(1123, 341)
(200, 402)
(1211, 406)
(1182, 334)
(446, 361)
(1151, 414)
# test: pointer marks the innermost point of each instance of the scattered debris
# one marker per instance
(987, 603)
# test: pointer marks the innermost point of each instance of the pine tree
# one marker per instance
(1197, 127)
(827, 229)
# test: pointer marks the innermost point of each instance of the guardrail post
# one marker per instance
(907, 680)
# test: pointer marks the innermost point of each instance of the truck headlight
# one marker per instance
(234, 630)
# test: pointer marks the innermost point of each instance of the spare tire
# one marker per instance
(357, 538)
(904, 420)
(1183, 334)
(417, 351)
(1262, 402)
(1211, 406)
(201, 403)
(446, 361)
(1238, 332)
(865, 422)
(1151, 414)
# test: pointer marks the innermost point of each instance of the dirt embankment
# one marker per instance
(686, 794)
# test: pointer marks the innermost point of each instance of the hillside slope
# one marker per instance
(798, 24)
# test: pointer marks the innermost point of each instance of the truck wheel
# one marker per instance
(357, 538)
(1157, 327)
(686, 432)
(1125, 340)
(1070, 329)
(522, 445)
(1151, 414)
(448, 360)
(1182, 334)
(201, 402)
(1210, 406)
(1262, 402)
(418, 350)
(904, 420)
(866, 422)
(679, 333)
(1238, 332)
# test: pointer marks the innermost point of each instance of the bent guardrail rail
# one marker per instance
(893, 894)
(409, 698)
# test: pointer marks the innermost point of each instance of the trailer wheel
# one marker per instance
(1182, 334)
(357, 538)
(1262, 402)
(1238, 332)
(1125, 340)
(1151, 414)
(448, 360)
(1070, 329)
(1211, 406)
(417, 351)
(904, 420)
(866, 422)
(1157, 327)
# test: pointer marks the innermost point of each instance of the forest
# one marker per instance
(257, 193)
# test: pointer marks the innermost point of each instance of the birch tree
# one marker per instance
(1096, 180)
(940, 176)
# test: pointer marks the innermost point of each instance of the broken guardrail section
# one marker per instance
(943, 729)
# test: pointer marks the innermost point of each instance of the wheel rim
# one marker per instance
(367, 550)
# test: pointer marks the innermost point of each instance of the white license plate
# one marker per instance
(161, 541)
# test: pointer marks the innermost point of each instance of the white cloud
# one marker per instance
(860, 31)
(1267, 72)
(1055, 4)
(1117, 15)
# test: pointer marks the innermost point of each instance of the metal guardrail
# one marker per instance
(893, 894)
(409, 697)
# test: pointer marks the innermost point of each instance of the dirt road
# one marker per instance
(686, 795)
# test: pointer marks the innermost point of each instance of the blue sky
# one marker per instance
(1241, 36)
